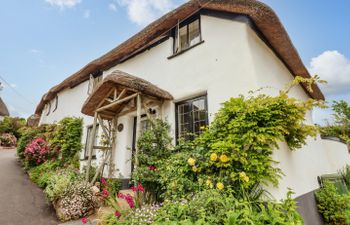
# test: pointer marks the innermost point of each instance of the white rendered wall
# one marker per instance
(232, 61)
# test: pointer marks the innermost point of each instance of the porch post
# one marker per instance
(91, 142)
(138, 129)
(113, 145)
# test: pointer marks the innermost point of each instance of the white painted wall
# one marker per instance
(232, 61)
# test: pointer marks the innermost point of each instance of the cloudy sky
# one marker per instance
(44, 41)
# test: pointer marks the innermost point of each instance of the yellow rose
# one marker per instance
(213, 157)
(224, 158)
(209, 183)
(191, 161)
(244, 177)
(220, 186)
(194, 169)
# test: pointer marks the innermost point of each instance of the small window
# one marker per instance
(93, 82)
(48, 108)
(187, 34)
(55, 104)
(191, 117)
(88, 134)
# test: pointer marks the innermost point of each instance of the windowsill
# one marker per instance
(185, 50)
(86, 158)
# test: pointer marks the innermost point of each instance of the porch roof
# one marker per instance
(117, 91)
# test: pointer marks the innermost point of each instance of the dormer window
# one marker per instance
(93, 82)
(187, 34)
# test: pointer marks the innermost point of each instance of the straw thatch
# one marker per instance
(33, 120)
(3, 109)
(121, 80)
(263, 17)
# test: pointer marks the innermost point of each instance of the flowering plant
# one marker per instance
(8, 140)
(36, 152)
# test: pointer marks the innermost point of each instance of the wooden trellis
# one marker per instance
(119, 94)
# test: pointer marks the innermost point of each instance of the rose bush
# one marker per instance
(36, 152)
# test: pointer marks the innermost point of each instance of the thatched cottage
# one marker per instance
(182, 67)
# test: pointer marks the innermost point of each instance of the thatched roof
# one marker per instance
(33, 120)
(3, 109)
(121, 80)
(262, 15)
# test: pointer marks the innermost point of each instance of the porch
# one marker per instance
(117, 95)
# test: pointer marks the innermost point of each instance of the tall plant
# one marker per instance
(67, 138)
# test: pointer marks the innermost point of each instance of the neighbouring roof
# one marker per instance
(121, 80)
(262, 15)
(3, 109)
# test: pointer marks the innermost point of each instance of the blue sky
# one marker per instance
(44, 41)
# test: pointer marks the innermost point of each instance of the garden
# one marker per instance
(216, 177)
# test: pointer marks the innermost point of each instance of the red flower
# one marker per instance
(120, 195)
(104, 181)
(84, 220)
(140, 188)
(105, 193)
(152, 168)
(134, 188)
(117, 214)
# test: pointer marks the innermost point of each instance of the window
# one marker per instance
(48, 108)
(88, 134)
(93, 82)
(56, 103)
(191, 116)
(187, 34)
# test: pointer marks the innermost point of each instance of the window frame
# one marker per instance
(86, 156)
(186, 23)
(190, 100)
(48, 108)
(56, 104)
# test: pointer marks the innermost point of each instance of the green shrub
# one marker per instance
(334, 207)
(154, 148)
(217, 207)
(58, 183)
(27, 135)
(67, 138)
(42, 173)
(12, 125)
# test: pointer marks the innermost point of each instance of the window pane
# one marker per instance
(184, 119)
(194, 32)
(199, 104)
(183, 37)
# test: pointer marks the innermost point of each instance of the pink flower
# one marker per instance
(105, 193)
(104, 181)
(84, 220)
(117, 214)
(140, 188)
(152, 168)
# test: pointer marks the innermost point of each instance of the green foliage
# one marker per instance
(341, 126)
(42, 173)
(217, 207)
(58, 183)
(113, 186)
(334, 207)
(237, 147)
(154, 147)
(67, 138)
(12, 125)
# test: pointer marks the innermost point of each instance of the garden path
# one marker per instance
(21, 201)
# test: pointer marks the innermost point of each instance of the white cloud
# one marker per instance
(333, 67)
(34, 51)
(112, 7)
(87, 14)
(63, 3)
(143, 12)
